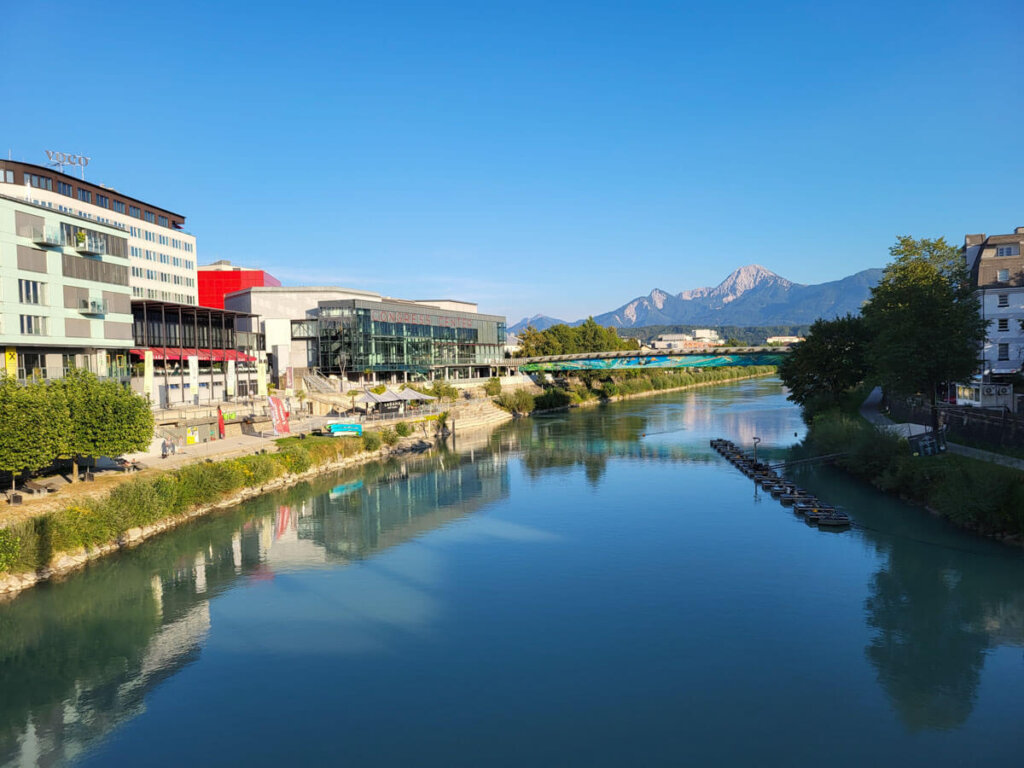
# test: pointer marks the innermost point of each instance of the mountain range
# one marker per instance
(751, 295)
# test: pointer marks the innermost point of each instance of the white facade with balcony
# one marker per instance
(65, 299)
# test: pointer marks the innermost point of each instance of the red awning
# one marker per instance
(204, 355)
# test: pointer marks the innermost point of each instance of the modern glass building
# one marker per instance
(403, 341)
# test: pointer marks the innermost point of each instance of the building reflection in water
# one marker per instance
(78, 658)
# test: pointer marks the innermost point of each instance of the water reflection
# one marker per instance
(79, 657)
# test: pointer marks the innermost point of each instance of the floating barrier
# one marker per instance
(804, 504)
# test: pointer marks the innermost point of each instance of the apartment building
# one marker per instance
(996, 264)
(65, 300)
(161, 255)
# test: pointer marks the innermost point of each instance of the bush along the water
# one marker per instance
(592, 385)
(974, 494)
(31, 544)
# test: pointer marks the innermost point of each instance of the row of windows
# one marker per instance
(85, 195)
(152, 293)
(163, 258)
(1008, 250)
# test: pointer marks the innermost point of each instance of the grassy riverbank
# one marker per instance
(977, 495)
(595, 386)
(32, 545)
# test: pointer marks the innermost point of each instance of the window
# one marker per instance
(149, 217)
(33, 325)
(1003, 276)
(84, 195)
(1004, 352)
(102, 201)
(9, 177)
(134, 210)
(1004, 300)
(64, 188)
(39, 182)
(1008, 250)
(118, 206)
(30, 292)
(1004, 324)
(162, 221)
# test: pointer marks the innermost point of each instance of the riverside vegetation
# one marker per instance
(592, 386)
(32, 544)
(921, 328)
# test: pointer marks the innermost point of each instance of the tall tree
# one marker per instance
(924, 320)
(588, 336)
(32, 426)
(831, 360)
(107, 418)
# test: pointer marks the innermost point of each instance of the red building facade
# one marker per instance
(220, 278)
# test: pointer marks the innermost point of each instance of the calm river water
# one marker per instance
(595, 588)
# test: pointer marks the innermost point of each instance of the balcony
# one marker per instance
(92, 306)
(47, 237)
(90, 246)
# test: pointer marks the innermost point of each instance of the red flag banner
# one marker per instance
(279, 415)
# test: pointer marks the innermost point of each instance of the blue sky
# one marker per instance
(538, 157)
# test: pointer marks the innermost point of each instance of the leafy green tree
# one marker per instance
(924, 319)
(32, 426)
(565, 340)
(106, 418)
(831, 360)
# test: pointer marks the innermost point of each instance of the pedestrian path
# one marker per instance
(870, 409)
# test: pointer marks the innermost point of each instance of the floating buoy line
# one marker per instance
(805, 504)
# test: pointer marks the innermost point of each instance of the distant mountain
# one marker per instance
(752, 295)
(539, 322)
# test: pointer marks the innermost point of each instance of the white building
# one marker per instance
(161, 255)
(996, 264)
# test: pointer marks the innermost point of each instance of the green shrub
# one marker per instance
(389, 436)
(551, 398)
(493, 387)
(518, 401)
(371, 441)
(10, 544)
(403, 429)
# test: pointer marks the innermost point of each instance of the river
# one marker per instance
(590, 588)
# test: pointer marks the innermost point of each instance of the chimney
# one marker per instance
(970, 240)
(1019, 231)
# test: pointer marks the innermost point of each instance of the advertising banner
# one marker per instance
(11, 362)
(279, 416)
(193, 379)
(229, 385)
(147, 375)
(261, 379)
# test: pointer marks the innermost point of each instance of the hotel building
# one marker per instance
(161, 256)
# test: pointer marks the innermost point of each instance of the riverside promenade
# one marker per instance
(871, 409)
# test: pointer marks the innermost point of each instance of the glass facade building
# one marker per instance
(404, 341)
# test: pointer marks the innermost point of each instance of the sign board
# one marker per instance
(191, 435)
(66, 158)
(279, 416)
(344, 430)
(11, 362)
(229, 384)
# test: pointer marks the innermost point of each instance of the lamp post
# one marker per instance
(756, 441)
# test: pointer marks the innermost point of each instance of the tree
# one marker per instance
(106, 418)
(924, 320)
(32, 426)
(588, 336)
(830, 361)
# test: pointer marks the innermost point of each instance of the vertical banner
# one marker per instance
(147, 374)
(261, 379)
(289, 378)
(193, 379)
(279, 416)
(11, 362)
(229, 385)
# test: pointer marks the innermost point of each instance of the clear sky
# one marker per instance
(538, 157)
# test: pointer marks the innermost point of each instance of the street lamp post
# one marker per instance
(756, 441)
